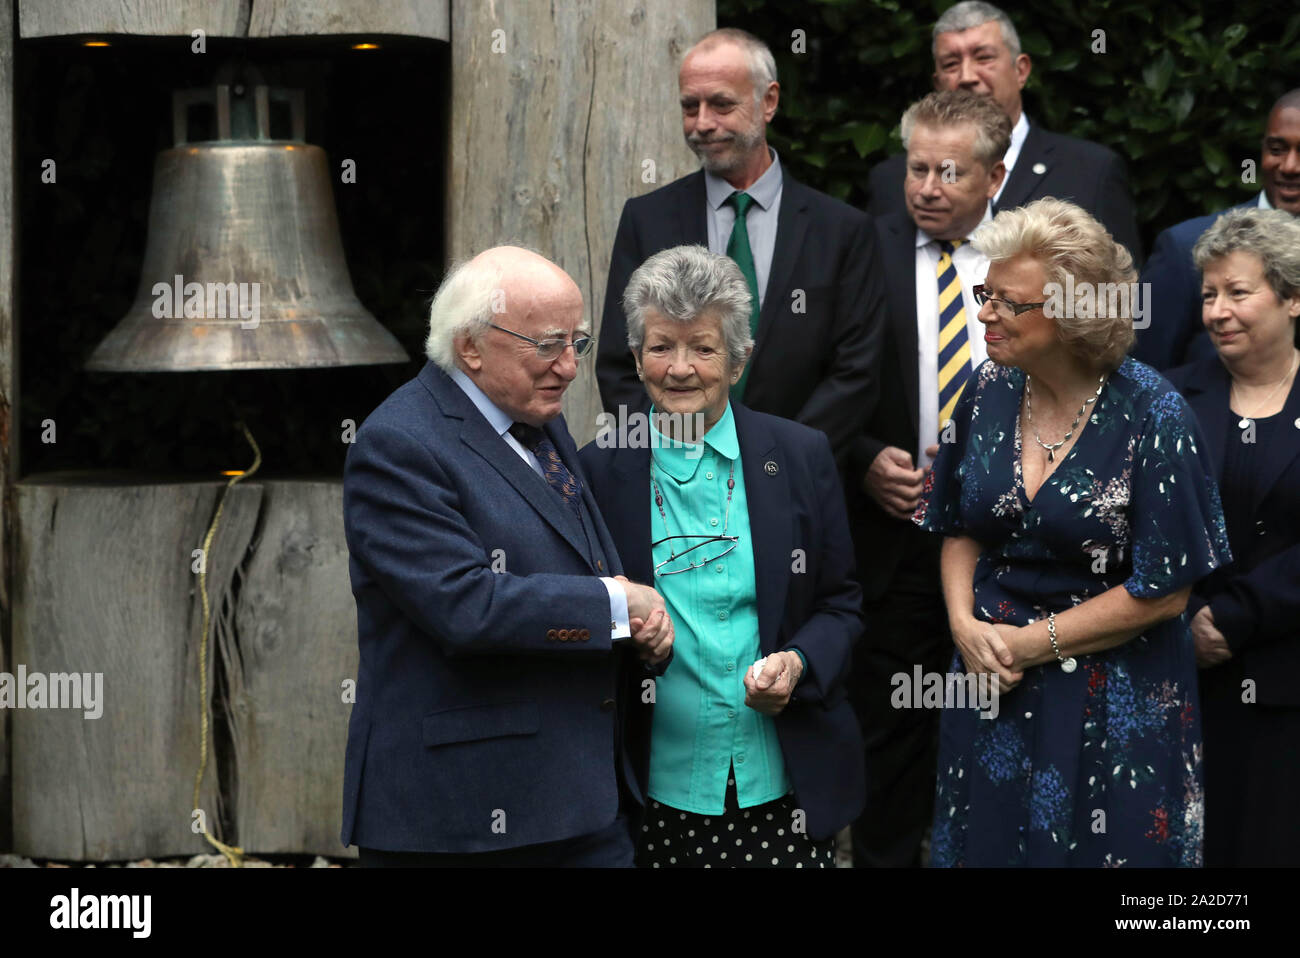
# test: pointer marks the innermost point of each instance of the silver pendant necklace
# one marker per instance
(1029, 404)
(1244, 421)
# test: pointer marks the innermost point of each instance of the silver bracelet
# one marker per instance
(1067, 665)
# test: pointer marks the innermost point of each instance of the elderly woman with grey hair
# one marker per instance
(755, 758)
(1078, 509)
(1246, 616)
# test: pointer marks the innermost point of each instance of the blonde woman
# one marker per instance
(1078, 511)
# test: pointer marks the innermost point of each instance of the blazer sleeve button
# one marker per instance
(564, 635)
(585, 634)
(551, 634)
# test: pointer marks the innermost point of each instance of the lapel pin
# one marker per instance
(1297, 423)
(1040, 168)
(770, 468)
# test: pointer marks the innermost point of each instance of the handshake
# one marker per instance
(652, 628)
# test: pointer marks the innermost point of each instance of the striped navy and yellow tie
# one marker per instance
(954, 346)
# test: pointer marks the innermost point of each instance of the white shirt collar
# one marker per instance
(1264, 204)
(764, 190)
(1018, 134)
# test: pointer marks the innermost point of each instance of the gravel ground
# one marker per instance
(198, 861)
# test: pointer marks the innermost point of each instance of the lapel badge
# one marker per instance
(770, 468)
(1040, 168)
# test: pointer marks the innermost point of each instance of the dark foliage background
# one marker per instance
(1181, 91)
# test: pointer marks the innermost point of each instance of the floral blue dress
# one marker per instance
(1102, 766)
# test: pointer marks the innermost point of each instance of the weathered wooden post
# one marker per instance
(8, 398)
(560, 112)
(103, 581)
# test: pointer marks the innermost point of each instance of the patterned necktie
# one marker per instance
(557, 475)
(954, 346)
(738, 249)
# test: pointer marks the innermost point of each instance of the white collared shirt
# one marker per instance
(1018, 134)
(1264, 204)
(972, 266)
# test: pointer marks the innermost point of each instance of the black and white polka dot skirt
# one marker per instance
(764, 836)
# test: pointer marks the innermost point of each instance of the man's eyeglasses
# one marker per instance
(549, 349)
(982, 296)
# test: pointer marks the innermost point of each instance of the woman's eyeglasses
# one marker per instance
(549, 349)
(982, 296)
(680, 557)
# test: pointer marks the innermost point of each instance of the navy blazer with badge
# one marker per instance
(1256, 598)
(817, 366)
(1085, 173)
(795, 503)
(486, 707)
(1174, 333)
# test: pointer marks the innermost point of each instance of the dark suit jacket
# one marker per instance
(479, 724)
(819, 366)
(895, 419)
(796, 505)
(1176, 334)
(1085, 173)
(1256, 598)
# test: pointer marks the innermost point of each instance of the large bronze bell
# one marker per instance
(243, 266)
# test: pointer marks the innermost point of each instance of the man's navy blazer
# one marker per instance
(807, 594)
(817, 351)
(1255, 599)
(485, 714)
(1085, 173)
(881, 538)
(1175, 334)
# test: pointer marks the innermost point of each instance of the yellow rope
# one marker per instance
(233, 854)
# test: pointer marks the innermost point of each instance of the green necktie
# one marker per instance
(738, 249)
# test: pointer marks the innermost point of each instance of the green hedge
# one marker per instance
(1181, 91)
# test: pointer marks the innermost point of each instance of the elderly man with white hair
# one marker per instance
(494, 626)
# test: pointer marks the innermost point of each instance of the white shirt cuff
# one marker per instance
(619, 627)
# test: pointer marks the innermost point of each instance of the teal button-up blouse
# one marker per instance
(702, 727)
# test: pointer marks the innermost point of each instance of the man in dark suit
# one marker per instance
(955, 141)
(976, 48)
(1174, 334)
(810, 261)
(491, 615)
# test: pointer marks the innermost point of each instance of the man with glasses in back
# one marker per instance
(494, 626)
(955, 141)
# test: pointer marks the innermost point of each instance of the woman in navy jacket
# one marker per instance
(755, 757)
(1246, 615)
